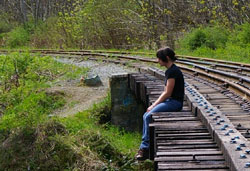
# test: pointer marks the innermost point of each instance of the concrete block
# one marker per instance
(126, 111)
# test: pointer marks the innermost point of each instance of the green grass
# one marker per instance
(230, 53)
(126, 142)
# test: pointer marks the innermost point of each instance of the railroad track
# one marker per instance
(227, 91)
(235, 77)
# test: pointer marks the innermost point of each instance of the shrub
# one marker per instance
(4, 26)
(18, 37)
(216, 37)
(23, 80)
(46, 35)
(197, 39)
(219, 43)
(210, 37)
(241, 35)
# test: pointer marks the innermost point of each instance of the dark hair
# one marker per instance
(164, 52)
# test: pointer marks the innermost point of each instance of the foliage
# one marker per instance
(197, 39)
(89, 26)
(113, 145)
(210, 37)
(91, 119)
(116, 24)
(4, 27)
(17, 37)
(218, 43)
(241, 35)
(45, 34)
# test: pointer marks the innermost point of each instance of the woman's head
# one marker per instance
(164, 52)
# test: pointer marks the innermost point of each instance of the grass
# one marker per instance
(233, 53)
(126, 142)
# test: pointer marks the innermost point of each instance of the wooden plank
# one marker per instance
(166, 114)
(186, 142)
(166, 131)
(205, 150)
(175, 119)
(202, 170)
(235, 113)
(201, 165)
(191, 146)
(184, 138)
(187, 135)
(194, 125)
(188, 158)
(188, 153)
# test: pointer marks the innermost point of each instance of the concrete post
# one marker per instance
(126, 111)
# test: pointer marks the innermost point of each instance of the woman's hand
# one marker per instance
(150, 108)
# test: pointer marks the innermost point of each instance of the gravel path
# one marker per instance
(79, 98)
(103, 70)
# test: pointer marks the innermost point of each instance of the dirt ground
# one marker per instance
(79, 97)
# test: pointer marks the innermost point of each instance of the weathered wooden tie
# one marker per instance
(179, 141)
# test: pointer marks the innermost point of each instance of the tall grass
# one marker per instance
(126, 142)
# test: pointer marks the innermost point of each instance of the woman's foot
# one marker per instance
(142, 154)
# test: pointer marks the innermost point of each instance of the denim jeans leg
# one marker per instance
(168, 105)
(145, 135)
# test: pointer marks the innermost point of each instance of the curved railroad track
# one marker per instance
(234, 76)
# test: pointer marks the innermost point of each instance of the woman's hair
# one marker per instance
(164, 52)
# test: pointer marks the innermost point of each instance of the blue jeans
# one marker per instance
(169, 105)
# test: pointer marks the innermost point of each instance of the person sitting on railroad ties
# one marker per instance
(170, 100)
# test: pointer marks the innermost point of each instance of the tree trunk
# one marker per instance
(23, 11)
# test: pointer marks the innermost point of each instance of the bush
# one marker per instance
(197, 39)
(46, 35)
(4, 26)
(216, 37)
(244, 34)
(209, 37)
(18, 37)
(241, 35)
